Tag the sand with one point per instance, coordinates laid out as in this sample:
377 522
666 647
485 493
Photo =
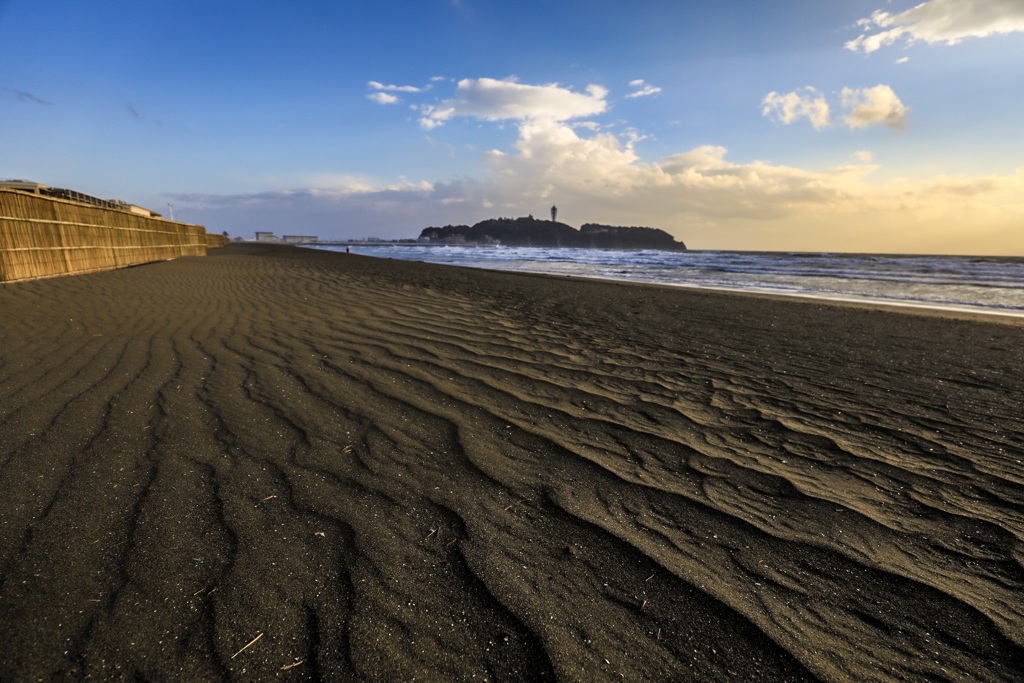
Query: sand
276 462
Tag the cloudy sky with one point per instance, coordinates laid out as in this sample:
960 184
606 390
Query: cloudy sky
841 125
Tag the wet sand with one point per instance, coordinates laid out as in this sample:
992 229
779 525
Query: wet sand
275 462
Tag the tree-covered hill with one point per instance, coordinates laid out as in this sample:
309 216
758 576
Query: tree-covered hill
533 232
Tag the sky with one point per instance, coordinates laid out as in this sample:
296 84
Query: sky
784 125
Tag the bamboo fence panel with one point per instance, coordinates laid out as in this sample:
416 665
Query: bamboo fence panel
213 240
42 237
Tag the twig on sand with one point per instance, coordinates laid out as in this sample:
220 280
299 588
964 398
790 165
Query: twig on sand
292 666
250 644
267 498
432 532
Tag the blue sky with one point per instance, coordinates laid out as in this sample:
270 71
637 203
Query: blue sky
841 125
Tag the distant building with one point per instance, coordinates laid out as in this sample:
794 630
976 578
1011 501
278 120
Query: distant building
24 186
142 211
76 196
299 239
265 237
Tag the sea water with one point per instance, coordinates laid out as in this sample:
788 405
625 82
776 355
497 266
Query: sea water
966 283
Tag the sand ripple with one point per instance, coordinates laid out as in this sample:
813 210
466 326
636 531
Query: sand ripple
396 470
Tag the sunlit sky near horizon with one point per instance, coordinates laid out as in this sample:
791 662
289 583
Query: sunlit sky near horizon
806 125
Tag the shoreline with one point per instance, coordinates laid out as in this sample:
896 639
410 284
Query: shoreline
953 310
910 308
283 461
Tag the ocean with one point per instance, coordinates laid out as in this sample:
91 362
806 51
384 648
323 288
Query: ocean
964 283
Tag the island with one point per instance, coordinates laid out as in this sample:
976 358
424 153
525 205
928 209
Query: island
535 232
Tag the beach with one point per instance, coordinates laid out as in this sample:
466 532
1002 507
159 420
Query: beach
278 462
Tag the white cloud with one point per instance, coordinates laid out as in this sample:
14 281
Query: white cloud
394 88
383 98
709 200
384 92
903 60
940 21
700 195
434 116
644 89
496 100
803 103
865 106
874 106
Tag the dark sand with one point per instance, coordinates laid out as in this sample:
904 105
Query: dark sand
394 471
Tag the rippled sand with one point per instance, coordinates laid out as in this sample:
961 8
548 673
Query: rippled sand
274 461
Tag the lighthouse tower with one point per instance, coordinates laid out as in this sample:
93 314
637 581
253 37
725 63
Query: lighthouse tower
554 213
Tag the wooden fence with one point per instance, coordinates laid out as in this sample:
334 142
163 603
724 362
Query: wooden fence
42 237
213 240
